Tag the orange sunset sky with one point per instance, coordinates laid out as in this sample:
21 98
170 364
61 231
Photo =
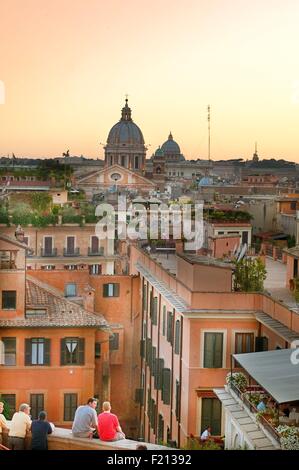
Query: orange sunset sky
66 66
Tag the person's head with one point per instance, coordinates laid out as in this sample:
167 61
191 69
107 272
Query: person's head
141 447
42 415
1 406
25 408
209 429
265 400
92 402
106 406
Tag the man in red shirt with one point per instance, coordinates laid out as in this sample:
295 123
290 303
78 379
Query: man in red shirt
108 427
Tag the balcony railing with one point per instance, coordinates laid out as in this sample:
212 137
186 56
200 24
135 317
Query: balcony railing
252 408
48 252
71 252
98 252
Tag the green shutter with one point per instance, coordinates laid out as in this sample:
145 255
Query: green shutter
211 415
160 373
155 319
139 395
213 350
218 350
105 290
81 351
166 379
164 320
153 361
28 352
177 337
142 348
116 290
63 352
177 399
47 348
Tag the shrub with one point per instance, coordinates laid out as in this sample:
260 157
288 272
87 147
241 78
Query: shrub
6 408
289 439
238 379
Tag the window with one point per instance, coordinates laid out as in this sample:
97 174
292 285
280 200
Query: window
94 244
36 404
164 320
70 290
111 290
144 296
97 350
9 299
48 246
70 406
9 345
170 327
136 163
177 343
293 205
244 343
10 399
70 245
211 415
72 351
37 352
123 160
244 237
95 269
166 379
154 310
114 342
213 349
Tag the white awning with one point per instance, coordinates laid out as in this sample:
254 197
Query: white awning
274 371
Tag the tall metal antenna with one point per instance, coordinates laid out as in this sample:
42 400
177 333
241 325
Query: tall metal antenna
209 132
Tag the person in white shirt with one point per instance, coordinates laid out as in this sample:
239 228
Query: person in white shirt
3 422
19 426
206 434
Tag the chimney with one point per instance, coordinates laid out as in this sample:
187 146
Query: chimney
88 299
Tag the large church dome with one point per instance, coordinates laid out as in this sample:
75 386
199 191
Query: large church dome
170 146
125 131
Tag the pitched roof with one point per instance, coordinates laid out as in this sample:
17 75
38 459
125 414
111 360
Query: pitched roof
112 168
53 310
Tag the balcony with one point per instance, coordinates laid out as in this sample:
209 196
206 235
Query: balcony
48 253
71 252
98 252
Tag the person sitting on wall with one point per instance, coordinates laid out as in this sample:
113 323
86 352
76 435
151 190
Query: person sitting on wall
206 434
40 428
262 405
85 420
108 427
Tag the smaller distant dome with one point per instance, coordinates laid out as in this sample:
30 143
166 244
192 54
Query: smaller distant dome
159 152
170 146
205 181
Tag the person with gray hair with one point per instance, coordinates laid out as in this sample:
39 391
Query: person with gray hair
19 426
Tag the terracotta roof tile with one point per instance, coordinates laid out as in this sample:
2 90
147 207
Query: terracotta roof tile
59 312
